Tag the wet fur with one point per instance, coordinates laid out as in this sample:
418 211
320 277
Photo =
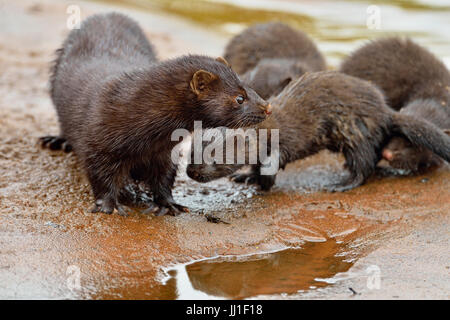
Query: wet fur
271 40
334 111
117 106
409 156
413 80
402 69
270 76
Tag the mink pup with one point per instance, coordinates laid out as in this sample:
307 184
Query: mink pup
402 69
338 112
117 107
270 76
402 154
412 78
270 55
271 40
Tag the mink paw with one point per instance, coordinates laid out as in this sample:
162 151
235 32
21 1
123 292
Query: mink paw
265 182
173 209
108 206
247 178
55 143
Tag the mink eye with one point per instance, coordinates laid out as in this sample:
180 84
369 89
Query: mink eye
240 99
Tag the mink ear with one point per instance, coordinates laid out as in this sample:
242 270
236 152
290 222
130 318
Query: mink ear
222 60
201 81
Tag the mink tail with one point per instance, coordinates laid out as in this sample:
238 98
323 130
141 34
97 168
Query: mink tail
422 133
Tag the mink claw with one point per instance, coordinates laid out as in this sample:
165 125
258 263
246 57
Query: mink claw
97 206
244 178
161 211
106 207
151 208
121 210
177 209
54 143
181 208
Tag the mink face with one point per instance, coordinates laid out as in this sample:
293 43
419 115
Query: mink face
414 81
270 76
216 167
118 107
402 153
228 100
334 111
271 40
208 172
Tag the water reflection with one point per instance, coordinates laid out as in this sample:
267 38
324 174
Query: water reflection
237 277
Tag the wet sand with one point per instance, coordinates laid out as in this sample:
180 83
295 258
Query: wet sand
399 224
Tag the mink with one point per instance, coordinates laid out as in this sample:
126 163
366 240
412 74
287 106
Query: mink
269 56
414 81
402 69
271 40
270 76
338 112
117 107
404 155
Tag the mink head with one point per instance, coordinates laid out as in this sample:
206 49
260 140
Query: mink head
211 164
402 154
208 172
270 76
224 100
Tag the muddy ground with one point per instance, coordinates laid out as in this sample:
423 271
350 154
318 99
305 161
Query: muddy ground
397 225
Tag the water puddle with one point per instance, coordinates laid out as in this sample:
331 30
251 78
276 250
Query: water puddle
282 272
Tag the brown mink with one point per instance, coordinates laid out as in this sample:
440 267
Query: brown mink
406 72
117 107
403 70
402 154
338 112
270 76
271 40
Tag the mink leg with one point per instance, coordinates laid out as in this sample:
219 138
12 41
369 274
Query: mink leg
361 164
55 143
162 184
248 178
105 182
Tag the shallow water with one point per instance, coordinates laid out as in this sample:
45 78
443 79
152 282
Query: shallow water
282 272
338 26
46 226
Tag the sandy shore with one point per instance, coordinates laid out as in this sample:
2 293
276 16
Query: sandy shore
400 225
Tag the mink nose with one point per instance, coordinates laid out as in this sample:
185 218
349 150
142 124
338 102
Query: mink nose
388 155
268 110
195 175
